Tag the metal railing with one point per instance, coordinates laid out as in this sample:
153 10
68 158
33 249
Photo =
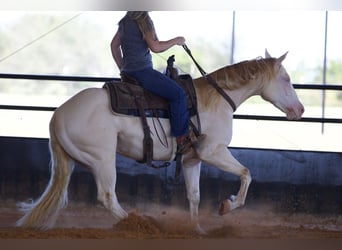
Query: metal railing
105 79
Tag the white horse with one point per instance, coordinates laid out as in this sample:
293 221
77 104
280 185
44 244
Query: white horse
85 130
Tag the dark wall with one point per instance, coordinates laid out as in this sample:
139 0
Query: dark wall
291 180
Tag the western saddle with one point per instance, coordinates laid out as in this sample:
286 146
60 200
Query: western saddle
128 97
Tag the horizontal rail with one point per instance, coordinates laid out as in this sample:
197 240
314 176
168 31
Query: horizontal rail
318 86
105 79
280 118
57 77
27 108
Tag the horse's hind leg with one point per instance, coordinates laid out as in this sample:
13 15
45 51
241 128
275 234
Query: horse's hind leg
191 173
105 177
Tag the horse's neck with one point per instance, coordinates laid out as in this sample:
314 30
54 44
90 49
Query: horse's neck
209 98
243 93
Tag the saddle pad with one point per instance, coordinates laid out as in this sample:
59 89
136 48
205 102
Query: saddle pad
124 97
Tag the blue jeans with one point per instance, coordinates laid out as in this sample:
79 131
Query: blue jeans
161 85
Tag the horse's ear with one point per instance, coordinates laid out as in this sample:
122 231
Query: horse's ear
267 55
281 59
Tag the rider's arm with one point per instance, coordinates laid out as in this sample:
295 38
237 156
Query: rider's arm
116 50
159 46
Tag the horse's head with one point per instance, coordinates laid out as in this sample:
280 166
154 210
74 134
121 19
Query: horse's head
280 92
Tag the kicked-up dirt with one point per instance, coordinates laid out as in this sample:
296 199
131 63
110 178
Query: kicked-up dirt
154 221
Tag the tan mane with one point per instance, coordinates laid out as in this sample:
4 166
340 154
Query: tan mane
236 75
233 76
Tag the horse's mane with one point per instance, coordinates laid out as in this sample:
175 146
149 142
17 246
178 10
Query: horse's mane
233 76
239 74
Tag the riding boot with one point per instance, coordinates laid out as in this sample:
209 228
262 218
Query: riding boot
184 144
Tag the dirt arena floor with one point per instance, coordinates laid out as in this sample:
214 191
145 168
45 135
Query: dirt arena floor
153 221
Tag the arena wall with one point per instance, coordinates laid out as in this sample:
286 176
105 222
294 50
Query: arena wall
291 180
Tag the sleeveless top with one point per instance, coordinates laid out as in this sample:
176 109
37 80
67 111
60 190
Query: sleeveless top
135 51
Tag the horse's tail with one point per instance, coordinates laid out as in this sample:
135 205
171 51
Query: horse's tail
43 213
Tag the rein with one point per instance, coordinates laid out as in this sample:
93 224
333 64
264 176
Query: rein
211 80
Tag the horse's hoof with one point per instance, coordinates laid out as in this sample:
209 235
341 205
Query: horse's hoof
232 198
225 207
199 230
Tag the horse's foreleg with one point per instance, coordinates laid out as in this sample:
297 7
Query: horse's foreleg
223 159
238 200
191 173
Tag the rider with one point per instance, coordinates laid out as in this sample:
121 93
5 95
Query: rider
131 46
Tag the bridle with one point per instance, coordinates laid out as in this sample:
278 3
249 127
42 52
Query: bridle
211 80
